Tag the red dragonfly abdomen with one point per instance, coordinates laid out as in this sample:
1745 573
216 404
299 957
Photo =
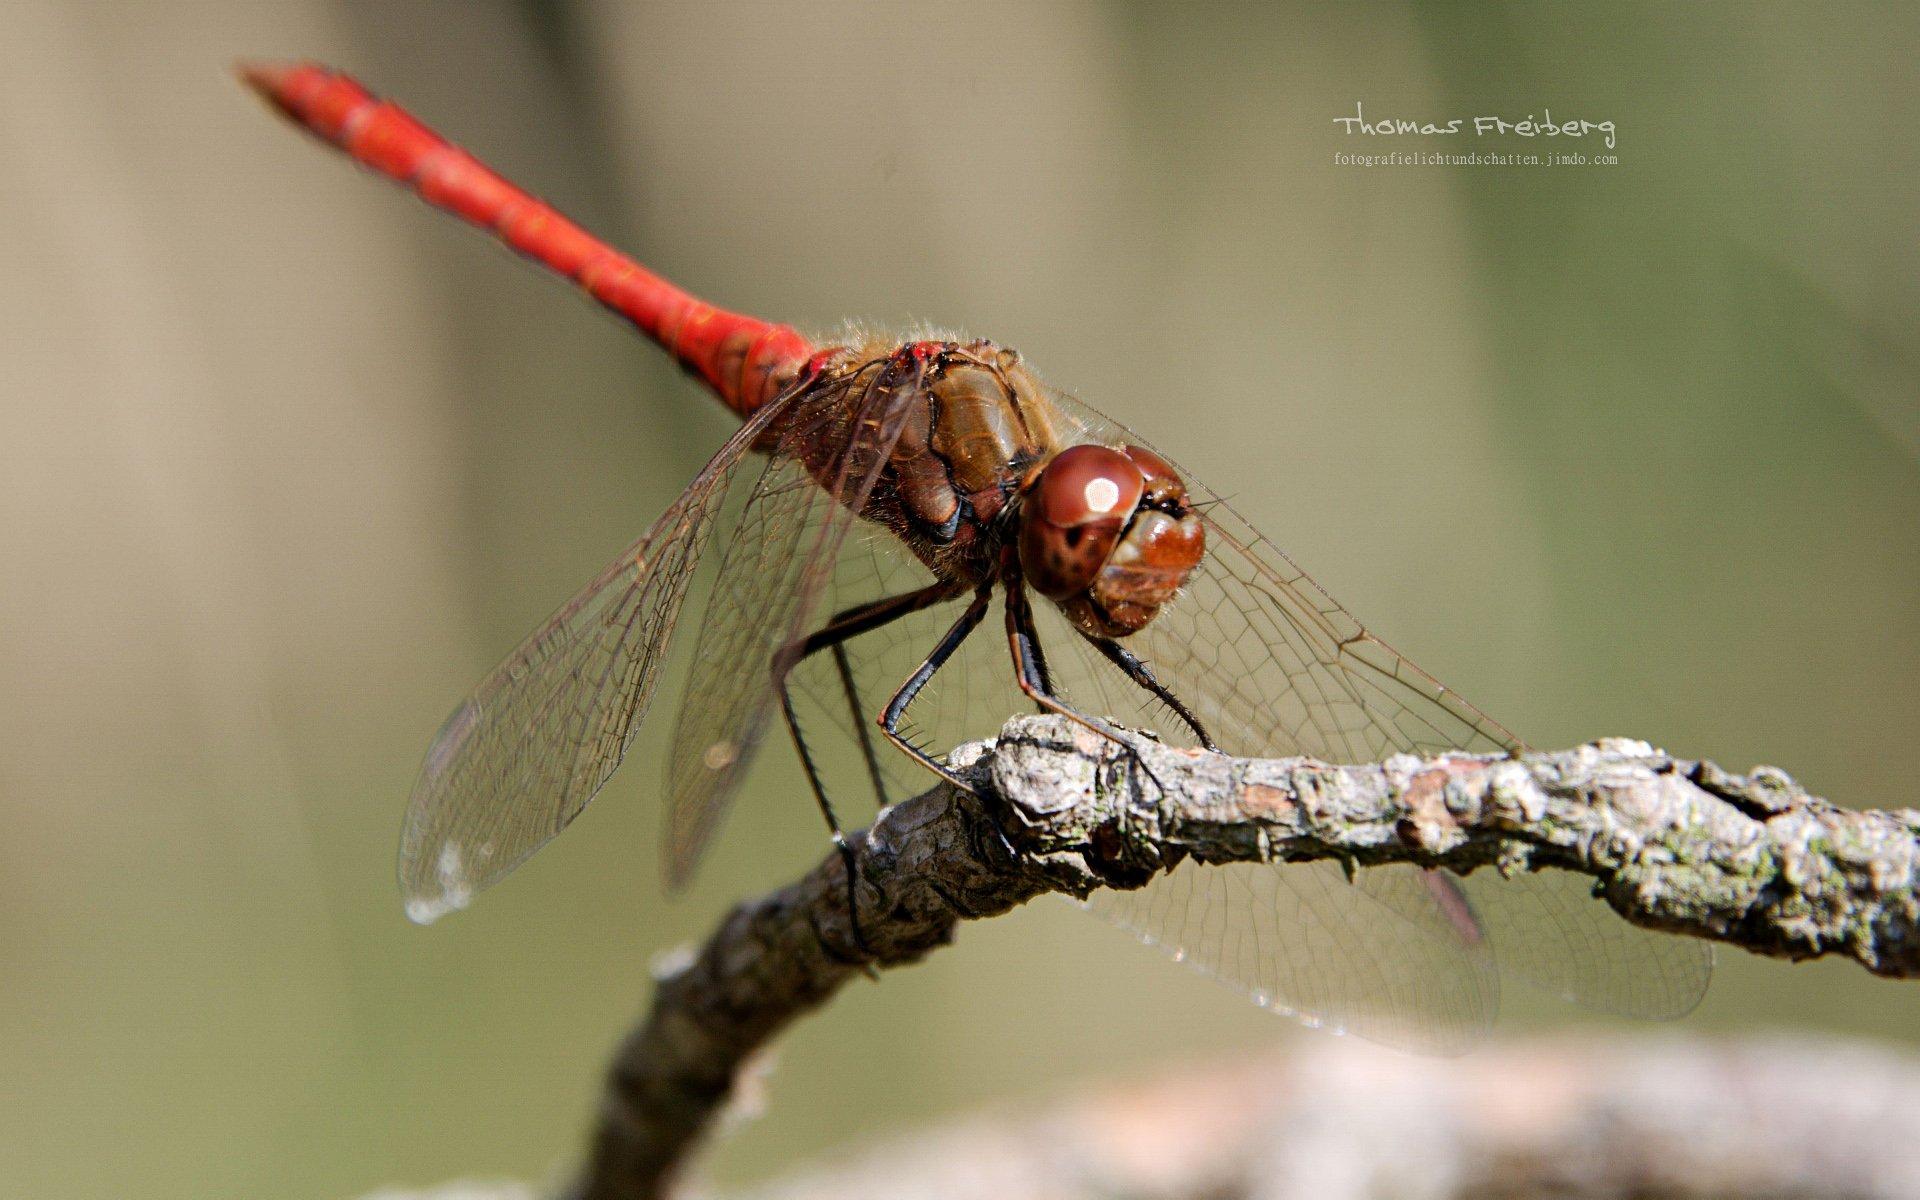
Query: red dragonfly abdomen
744 360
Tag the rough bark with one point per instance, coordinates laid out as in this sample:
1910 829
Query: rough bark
1751 861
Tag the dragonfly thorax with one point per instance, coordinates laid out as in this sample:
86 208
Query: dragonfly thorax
987 479
966 422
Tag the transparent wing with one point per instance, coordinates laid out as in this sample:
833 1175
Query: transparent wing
1386 959
1273 666
824 458
525 752
839 714
1548 927
1303 941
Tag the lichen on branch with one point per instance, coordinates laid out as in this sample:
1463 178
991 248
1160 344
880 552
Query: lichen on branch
1683 846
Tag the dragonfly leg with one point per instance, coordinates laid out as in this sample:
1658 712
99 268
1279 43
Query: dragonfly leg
849 624
1024 637
857 712
1138 671
1044 675
896 708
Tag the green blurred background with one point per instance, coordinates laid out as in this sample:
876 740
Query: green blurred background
287 461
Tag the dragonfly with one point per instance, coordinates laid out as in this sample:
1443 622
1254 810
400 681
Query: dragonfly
877 496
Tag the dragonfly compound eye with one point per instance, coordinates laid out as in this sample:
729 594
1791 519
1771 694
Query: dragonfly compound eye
1075 512
1139 567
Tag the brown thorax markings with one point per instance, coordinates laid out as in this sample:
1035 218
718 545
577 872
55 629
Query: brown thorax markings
972 420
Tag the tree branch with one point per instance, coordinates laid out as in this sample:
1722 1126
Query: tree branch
1600 1118
1612 1117
1751 860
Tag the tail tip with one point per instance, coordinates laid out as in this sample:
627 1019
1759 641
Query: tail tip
264 77
277 82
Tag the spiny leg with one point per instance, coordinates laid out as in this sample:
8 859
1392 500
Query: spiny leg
852 623
1024 638
949 642
1040 663
1138 671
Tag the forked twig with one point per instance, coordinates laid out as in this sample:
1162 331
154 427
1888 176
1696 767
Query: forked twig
1751 861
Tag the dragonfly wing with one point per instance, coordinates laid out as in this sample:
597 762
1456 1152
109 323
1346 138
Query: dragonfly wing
1547 927
1301 940
1386 958
525 752
1274 666
826 455
838 715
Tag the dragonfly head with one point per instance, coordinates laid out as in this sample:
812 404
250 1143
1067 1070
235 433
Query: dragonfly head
1108 535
